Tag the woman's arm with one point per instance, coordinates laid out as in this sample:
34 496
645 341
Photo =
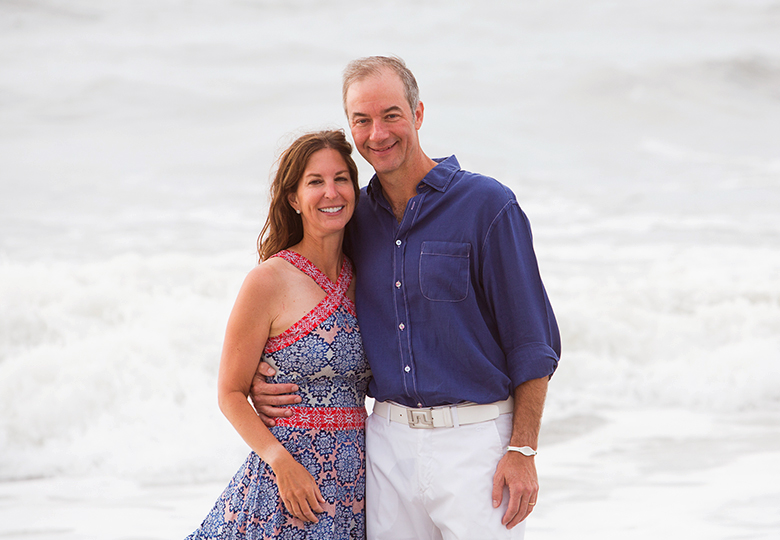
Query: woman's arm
248 328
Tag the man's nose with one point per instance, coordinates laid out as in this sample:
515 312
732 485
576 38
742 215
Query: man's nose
378 131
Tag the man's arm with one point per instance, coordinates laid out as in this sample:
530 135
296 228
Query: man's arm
516 471
269 399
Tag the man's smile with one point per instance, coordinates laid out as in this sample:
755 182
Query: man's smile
383 149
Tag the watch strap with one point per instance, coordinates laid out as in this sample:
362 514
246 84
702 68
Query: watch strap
525 450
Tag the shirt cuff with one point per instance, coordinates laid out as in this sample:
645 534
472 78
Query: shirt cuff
531 361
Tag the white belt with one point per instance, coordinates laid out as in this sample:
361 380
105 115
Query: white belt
445 416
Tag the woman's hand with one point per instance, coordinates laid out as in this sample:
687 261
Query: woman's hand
297 488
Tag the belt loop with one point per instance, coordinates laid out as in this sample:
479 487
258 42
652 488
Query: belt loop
454 412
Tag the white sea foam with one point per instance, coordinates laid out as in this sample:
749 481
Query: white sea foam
106 364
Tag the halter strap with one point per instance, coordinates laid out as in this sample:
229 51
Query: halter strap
335 296
338 289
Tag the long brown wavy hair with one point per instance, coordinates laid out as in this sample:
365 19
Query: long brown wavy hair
283 227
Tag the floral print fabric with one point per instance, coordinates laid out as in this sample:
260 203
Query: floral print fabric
323 355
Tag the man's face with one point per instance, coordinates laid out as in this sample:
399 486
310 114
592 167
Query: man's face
383 126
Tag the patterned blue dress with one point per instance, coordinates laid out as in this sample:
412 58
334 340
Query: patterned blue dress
323 354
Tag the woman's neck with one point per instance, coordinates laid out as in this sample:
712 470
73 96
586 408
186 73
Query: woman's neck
324 253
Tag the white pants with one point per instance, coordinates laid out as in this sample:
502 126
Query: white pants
435 484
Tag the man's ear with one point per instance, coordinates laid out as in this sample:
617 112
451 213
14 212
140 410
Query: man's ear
418 115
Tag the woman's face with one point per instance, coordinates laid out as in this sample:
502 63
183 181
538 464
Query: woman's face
325 194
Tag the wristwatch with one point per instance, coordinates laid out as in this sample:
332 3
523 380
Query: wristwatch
525 450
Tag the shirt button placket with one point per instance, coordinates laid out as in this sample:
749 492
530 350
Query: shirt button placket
401 326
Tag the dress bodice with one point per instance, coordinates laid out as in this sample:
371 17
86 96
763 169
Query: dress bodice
322 353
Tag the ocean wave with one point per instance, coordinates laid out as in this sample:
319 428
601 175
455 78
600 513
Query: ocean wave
110 366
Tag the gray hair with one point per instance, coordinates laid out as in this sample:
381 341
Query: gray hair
362 68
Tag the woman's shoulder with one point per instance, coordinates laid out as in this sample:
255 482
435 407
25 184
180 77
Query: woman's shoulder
272 267
269 277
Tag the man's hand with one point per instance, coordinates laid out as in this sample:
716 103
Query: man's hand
518 473
268 399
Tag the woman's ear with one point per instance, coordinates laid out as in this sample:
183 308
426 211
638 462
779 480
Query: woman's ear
292 198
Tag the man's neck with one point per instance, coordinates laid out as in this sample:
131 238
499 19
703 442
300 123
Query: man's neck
400 186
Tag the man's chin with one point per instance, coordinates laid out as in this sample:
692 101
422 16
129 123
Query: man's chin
383 166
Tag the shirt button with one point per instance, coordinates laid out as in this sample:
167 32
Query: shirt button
419 405
397 242
401 326
407 369
397 284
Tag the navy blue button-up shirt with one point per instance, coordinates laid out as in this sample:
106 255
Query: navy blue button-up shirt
450 301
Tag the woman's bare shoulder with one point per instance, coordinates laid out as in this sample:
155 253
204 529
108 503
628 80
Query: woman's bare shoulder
269 278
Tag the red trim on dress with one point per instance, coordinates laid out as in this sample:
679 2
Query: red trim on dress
331 418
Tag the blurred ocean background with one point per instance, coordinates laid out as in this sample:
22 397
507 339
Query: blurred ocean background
642 138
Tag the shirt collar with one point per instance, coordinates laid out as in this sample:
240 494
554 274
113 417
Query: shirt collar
438 178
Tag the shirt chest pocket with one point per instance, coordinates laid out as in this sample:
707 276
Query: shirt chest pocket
444 271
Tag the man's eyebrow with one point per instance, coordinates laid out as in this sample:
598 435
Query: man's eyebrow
393 108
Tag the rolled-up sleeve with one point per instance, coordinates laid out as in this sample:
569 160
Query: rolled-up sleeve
524 321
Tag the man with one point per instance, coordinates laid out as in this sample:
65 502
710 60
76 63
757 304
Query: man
456 325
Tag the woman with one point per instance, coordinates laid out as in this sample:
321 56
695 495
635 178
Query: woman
306 476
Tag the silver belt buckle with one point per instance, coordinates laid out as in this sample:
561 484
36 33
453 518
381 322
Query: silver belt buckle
420 418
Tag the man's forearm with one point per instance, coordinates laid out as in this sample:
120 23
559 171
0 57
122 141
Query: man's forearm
527 416
515 471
